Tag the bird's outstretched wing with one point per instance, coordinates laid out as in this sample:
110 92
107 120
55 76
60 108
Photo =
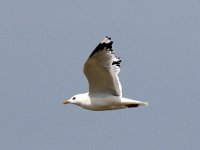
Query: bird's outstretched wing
102 68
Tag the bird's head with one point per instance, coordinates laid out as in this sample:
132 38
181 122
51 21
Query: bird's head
72 100
76 99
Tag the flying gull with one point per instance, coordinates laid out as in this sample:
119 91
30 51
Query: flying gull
105 91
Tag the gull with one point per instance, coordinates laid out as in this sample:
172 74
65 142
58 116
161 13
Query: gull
105 91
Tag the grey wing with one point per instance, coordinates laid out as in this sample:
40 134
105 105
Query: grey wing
102 68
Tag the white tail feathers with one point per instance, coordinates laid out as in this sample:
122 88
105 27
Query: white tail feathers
144 104
131 102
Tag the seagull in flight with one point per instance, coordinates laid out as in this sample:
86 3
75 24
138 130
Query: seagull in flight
105 91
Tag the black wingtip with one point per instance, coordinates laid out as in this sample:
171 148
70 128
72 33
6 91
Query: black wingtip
105 43
132 105
108 37
117 63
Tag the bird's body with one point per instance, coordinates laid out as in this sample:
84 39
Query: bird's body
105 102
105 91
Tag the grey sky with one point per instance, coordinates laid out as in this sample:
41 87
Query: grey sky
43 45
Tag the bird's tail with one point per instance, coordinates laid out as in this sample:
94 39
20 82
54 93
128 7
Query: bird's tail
133 103
144 104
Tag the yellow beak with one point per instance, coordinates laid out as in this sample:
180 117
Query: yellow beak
66 102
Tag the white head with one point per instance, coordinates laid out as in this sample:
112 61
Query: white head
76 99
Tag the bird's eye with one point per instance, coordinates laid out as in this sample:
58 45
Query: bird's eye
74 98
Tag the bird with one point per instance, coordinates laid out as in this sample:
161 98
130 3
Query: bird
105 91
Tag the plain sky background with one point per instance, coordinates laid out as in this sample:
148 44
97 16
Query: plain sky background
43 46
